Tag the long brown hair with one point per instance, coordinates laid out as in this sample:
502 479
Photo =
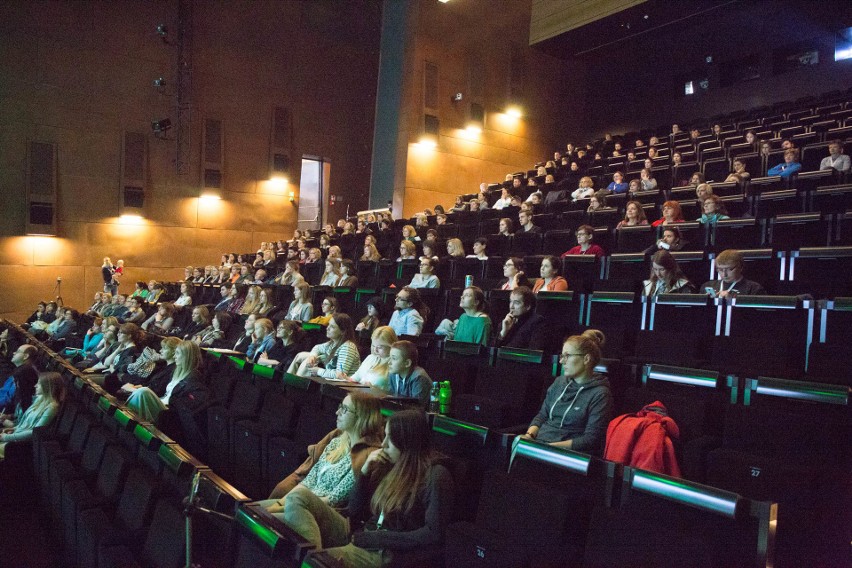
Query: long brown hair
409 432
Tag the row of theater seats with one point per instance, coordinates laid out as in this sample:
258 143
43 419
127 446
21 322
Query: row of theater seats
114 491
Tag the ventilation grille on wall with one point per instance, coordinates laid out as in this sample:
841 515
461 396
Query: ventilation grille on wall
41 188
134 168
213 151
279 150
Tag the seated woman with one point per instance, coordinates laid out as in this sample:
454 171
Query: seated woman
331 274
634 186
597 202
634 216
672 213
49 394
159 377
646 180
455 248
426 277
281 355
513 274
265 303
670 241
789 166
347 279
506 227
714 211
407 251
374 369
212 335
339 353
374 316
407 514
301 308
479 249
504 201
550 280
739 175
161 321
578 405
185 298
291 274
585 234
430 250
186 389
371 253
94 310
155 290
329 308
252 302
474 325
666 277
333 465
141 291
135 314
90 341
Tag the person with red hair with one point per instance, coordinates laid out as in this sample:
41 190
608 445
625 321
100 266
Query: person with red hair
672 213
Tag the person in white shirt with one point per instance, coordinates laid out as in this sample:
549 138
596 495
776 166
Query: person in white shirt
504 201
585 190
426 277
836 160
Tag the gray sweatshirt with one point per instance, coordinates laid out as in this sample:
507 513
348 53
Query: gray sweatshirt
576 412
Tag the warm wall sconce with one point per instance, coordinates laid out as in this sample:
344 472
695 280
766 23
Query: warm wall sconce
292 196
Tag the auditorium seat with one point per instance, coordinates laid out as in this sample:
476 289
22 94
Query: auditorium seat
667 522
804 468
164 545
790 232
680 329
263 541
244 403
509 500
563 311
626 272
619 315
823 272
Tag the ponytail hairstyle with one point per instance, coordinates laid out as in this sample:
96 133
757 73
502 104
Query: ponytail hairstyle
398 491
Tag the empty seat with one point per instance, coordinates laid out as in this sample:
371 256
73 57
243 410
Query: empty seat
790 232
164 545
626 271
737 234
824 272
772 203
804 468
679 330
262 541
655 525
620 316
634 239
562 311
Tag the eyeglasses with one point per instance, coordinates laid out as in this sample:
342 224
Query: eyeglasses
343 409
566 356
401 299
582 234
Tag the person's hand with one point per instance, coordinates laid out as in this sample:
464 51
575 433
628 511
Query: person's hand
531 433
8 423
264 355
518 276
360 326
89 370
341 376
376 458
507 324
276 507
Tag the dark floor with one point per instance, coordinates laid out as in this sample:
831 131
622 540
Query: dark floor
25 538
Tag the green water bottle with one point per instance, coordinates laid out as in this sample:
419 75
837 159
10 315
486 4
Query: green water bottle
445 397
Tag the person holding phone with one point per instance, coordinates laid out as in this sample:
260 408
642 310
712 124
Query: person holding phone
729 267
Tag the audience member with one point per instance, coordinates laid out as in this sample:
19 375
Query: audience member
836 159
301 308
338 354
472 326
525 219
24 361
426 277
729 267
263 339
49 394
634 216
513 274
347 274
579 404
522 328
506 227
647 180
374 368
373 319
407 251
788 167
617 184
550 280
504 201
408 316
281 355
585 235
406 379
666 276
714 211
200 320
739 175
455 248
672 213
670 241
328 308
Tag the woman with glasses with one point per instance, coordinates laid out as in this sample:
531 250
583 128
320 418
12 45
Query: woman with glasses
374 369
330 472
329 308
666 276
585 234
578 405
513 274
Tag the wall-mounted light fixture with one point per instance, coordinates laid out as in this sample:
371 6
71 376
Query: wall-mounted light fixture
292 196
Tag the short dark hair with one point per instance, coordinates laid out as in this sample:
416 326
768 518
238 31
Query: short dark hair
408 349
526 294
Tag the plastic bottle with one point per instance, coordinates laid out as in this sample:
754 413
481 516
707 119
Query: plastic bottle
445 397
434 397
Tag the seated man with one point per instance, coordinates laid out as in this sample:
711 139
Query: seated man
405 378
527 226
729 266
426 277
836 159
522 327
407 318
788 167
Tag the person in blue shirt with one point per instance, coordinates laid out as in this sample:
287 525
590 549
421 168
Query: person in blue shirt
617 185
788 167
23 357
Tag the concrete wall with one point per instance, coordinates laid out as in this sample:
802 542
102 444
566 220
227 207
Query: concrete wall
79 74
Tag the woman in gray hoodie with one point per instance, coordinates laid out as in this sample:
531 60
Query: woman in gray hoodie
578 405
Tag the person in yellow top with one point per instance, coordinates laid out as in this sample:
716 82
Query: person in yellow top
550 280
